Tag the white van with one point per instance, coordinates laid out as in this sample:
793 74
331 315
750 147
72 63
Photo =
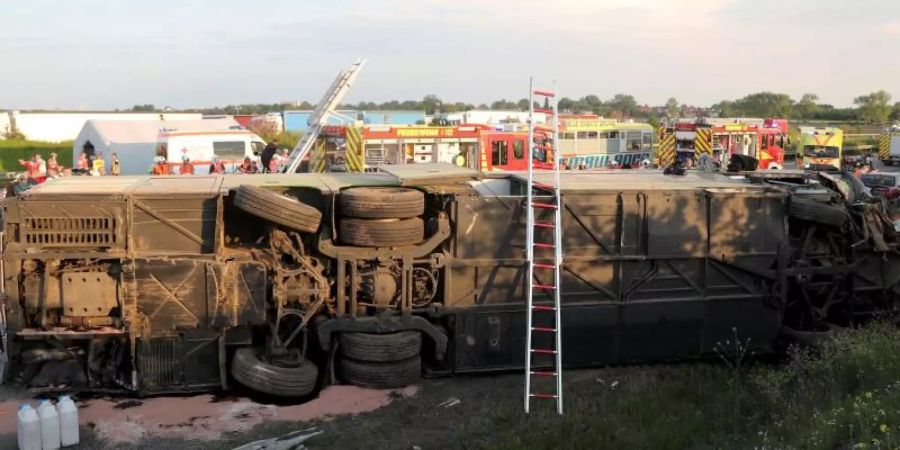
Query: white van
230 147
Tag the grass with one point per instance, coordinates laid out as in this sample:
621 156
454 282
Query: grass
842 395
12 150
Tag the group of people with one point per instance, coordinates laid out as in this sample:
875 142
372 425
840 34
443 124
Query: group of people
271 161
38 170
95 165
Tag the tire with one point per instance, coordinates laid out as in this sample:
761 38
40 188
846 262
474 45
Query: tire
382 203
248 369
818 212
808 338
370 347
276 208
382 233
383 375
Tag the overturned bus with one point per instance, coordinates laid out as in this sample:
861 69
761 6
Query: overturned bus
173 284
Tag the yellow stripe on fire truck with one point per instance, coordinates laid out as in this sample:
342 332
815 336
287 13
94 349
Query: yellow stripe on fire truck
666 150
884 146
317 158
353 156
703 143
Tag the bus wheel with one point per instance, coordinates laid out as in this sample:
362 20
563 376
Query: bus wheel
380 375
382 203
382 232
370 347
296 380
818 212
276 208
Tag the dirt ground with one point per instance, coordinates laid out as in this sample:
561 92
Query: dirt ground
432 414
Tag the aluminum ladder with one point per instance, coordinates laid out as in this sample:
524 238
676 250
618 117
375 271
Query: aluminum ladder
323 110
544 324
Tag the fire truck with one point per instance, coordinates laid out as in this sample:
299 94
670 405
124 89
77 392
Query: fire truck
343 148
719 141
889 146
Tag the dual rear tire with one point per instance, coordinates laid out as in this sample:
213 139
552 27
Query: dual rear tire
382 217
380 361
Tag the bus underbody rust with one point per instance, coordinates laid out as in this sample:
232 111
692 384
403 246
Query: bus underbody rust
163 284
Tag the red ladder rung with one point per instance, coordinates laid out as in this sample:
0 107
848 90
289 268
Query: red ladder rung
544 286
544 93
546 396
544 266
544 225
543 308
545 351
544 329
543 205
543 245
544 110
543 373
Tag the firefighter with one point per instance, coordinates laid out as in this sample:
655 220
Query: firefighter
216 166
160 168
186 167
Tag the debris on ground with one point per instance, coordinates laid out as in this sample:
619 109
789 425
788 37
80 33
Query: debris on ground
208 417
452 401
290 441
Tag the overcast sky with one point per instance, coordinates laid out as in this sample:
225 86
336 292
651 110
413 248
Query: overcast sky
84 54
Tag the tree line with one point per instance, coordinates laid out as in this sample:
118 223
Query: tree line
875 107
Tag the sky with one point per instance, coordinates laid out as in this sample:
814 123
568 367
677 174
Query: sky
92 54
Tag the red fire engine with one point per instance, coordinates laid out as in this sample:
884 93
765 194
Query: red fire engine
721 140
474 146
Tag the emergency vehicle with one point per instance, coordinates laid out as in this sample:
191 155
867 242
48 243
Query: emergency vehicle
596 143
719 141
364 148
820 146
889 146
201 148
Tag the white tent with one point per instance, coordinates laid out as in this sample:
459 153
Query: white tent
135 142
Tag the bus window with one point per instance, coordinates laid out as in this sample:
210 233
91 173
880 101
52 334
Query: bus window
592 135
613 135
499 150
633 141
647 141
518 149
582 135
229 150
257 147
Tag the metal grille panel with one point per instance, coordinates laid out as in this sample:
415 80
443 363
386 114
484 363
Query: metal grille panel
70 231
159 362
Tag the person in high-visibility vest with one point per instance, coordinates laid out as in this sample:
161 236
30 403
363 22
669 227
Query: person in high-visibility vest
186 167
216 166
160 168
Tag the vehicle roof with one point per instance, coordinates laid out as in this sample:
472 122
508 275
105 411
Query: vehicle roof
640 179
428 176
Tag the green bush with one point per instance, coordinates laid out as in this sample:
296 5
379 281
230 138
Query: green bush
11 151
844 394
